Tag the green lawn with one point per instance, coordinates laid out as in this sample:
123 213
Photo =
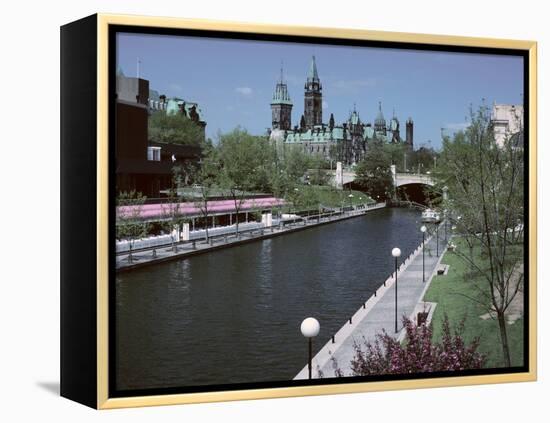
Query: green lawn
446 290
312 195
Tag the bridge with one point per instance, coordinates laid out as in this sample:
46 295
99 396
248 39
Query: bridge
343 177
412 178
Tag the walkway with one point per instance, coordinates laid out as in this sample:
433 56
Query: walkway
378 312
151 255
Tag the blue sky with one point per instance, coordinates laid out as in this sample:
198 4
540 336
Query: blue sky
233 81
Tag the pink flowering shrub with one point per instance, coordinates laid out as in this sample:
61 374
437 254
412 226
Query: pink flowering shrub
418 353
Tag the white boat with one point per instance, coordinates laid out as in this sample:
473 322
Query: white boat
430 216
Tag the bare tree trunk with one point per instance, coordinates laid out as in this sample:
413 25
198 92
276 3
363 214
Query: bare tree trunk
504 338
206 226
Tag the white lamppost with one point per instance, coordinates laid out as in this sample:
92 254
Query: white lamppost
423 230
396 252
310 328
350 200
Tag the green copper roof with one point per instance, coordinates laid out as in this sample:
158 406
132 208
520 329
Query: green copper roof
312 74
338 133
354 117
173 107
281 96
310 136
368 132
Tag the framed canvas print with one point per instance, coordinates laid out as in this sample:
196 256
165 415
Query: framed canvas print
254 211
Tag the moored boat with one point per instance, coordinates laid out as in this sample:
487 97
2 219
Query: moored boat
430 216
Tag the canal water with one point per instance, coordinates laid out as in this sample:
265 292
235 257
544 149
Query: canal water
233 315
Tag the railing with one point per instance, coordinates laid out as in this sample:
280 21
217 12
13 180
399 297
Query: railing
390 277
260 231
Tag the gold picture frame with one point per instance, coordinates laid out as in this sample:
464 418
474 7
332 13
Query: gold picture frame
102 23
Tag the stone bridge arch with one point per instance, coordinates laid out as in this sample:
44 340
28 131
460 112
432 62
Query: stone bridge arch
408 185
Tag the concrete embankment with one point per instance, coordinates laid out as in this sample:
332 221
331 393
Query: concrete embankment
377 313
166 253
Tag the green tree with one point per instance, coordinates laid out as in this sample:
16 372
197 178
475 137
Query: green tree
373 173
336 152
422 160
174 128
396 153
317 174
172 213
296 163
129 223
206 179
289 172
245 165
486 195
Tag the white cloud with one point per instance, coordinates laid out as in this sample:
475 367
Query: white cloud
244 91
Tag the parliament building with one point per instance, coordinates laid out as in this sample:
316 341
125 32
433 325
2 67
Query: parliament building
347 142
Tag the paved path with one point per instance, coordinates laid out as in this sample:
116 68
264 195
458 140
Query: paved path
379 311
160 254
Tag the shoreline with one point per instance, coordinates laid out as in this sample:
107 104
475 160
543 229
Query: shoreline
359 327
201 248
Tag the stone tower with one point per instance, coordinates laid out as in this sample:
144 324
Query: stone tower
394 128
281 106
313 98
409 133
380 121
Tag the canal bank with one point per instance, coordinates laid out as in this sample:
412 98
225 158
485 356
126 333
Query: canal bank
377 313
233 315
166 253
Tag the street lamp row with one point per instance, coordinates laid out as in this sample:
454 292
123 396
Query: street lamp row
310 326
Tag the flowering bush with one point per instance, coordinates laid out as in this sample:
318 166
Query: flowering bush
418 353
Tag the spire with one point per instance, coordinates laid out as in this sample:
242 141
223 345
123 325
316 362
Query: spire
313 75
354 116
281 96
380 122
380 116
394 123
